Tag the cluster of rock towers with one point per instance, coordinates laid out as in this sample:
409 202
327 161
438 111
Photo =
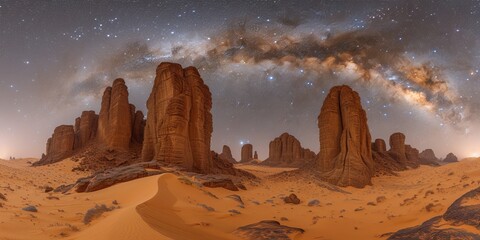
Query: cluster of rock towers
178 129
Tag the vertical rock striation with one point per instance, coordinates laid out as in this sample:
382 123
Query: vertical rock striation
247 153
179 123
345 157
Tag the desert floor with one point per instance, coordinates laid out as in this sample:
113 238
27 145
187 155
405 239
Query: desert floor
172 207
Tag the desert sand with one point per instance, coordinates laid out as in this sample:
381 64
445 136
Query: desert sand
169 206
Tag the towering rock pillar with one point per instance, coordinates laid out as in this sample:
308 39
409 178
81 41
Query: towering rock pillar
115 118
247 153
345 157
179 123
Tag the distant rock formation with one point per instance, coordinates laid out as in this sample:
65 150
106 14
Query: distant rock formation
397 148
427 157
179 123
379 145
115 128
246 155
59 146
255 155
227 154
286 151
345 157
450 158
115 119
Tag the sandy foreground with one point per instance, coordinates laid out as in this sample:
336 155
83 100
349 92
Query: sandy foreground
172 207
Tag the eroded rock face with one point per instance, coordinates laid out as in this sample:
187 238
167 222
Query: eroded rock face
138 127
247 153
115 118
85 128
397 148
179 123
60 145
345 157
379 145
114 128
227 154
450 158
286 151
427 157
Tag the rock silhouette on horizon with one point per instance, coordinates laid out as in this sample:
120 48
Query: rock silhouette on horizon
286 151
246 153
227 154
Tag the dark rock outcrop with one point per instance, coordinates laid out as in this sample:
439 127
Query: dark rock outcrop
247 153
450 158
345 157
267 230
138 127
427 157
286 151
463 214
227 154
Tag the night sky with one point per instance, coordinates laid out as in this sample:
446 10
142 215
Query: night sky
269 65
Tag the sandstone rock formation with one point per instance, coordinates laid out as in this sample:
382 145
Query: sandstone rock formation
115 128
345 157
460 221
286 151
450 158
179 123
59 146
255 155
247 151
115 118
227 154
379 145
85 128
397 148
138 127
427 157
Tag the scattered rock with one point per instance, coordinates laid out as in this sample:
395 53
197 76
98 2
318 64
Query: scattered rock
233 212
30 208
313 202
268 230
48 189
292 198
2 197
208 208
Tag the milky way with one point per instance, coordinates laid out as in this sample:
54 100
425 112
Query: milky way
269 65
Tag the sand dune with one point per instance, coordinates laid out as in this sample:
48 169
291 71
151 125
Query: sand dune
176 207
